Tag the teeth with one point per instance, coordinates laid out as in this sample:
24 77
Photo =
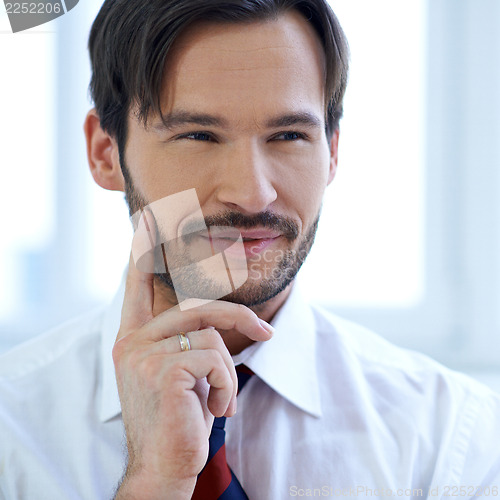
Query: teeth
228 238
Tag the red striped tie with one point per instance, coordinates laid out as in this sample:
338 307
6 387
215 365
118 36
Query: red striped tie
217 481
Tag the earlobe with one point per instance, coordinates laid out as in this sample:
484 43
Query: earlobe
334 149
102 154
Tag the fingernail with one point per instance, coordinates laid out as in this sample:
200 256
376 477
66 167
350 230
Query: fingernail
267 327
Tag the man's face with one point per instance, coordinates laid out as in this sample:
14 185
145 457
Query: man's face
245 111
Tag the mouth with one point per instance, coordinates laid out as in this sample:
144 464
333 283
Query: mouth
224 239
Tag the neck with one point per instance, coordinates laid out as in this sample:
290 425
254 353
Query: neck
164 299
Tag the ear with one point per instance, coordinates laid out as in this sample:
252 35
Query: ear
102 154
334 150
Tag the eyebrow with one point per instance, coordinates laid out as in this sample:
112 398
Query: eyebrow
180 118
300 118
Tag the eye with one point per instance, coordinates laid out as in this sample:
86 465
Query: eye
197 136
289 136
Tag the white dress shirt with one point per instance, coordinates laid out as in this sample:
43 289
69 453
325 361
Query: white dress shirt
333 411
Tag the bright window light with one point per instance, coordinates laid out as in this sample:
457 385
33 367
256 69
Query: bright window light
27 157
370 245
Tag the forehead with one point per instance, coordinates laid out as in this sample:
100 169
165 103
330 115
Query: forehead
276 65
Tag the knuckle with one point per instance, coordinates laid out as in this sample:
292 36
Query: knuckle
151 374
177 378
118 350
241 309
194 319
146 369
213 337
215 357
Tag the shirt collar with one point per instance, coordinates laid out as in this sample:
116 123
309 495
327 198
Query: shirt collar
286 363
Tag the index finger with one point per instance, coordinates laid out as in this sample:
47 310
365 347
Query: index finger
218 314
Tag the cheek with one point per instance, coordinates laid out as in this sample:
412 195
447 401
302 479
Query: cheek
155 173
305 183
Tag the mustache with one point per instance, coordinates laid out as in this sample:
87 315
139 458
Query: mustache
285 225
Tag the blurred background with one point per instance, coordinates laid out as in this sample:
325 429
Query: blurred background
409 242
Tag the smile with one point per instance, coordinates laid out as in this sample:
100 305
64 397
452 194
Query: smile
224 239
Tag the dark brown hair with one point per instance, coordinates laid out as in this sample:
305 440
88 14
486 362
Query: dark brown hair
130 40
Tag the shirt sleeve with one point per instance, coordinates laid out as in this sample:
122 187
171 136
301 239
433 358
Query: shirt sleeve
481 466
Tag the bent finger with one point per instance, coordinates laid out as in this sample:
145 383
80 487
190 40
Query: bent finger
207 339
219 314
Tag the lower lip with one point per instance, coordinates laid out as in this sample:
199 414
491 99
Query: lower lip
252 247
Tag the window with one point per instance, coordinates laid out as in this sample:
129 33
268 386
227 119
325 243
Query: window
370 246
27 129
55 223
412 235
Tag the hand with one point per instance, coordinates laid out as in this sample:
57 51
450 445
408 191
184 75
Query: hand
169 398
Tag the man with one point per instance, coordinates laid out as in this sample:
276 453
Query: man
220 121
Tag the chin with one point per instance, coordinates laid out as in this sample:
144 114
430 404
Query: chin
253 292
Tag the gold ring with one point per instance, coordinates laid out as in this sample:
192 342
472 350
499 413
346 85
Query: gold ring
184 341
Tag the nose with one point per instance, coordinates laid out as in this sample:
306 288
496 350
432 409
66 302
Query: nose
246 182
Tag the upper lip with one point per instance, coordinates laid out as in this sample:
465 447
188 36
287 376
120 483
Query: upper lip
247 234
